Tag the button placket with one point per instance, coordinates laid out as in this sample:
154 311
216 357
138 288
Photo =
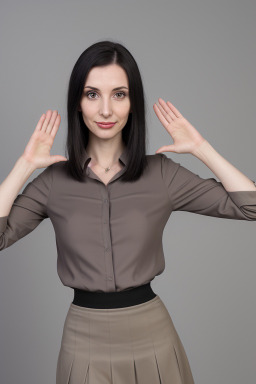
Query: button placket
109 277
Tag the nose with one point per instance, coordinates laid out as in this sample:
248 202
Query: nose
105 107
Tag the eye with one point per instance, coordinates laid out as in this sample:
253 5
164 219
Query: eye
89 93
94 93
121 93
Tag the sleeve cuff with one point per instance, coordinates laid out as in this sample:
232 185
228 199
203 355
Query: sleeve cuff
241 198
3 223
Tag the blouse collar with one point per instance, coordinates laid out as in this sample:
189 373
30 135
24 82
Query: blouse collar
86 159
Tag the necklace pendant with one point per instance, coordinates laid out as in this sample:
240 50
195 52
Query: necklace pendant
107 169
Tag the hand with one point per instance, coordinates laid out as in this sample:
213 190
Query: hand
186 138
37 151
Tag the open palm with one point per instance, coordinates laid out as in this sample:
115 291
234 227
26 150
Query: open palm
37 151
185 137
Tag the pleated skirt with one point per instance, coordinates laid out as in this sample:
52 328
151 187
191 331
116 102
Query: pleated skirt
131 345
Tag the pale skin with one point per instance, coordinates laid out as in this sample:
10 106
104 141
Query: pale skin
36 155
105 99
186 139
37 151
109 105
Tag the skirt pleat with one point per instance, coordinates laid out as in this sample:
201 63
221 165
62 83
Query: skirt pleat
131 345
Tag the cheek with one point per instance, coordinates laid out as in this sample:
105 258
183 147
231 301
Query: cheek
88 109
124 110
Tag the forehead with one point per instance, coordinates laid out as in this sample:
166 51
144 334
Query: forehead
110 75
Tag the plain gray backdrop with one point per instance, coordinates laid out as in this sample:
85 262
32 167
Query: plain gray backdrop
201 56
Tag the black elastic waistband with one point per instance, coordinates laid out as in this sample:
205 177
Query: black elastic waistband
119 299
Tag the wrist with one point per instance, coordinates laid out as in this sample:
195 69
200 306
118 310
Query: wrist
202 150
25 165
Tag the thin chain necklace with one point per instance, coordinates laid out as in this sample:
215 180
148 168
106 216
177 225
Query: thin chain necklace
106 168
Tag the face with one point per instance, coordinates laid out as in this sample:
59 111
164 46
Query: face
106 104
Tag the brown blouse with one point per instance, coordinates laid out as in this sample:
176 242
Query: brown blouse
109 237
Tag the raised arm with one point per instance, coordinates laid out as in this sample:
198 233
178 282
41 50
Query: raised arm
13 183
231 178
234 196
20 214
188 140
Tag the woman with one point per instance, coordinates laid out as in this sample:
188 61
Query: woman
109 203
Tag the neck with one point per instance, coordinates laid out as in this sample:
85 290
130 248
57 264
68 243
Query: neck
105 156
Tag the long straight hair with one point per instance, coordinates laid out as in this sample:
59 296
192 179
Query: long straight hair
134 132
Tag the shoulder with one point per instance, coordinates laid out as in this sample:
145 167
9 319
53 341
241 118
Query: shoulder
57 168
154 158
49 173
157 157
160 159
59 165
162 164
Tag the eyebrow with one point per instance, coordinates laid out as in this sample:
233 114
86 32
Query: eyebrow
97 89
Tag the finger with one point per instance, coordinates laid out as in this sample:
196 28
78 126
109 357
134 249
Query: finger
51 122
55 126
57 158
175 110
166 148
165 114
40 122
167 108
47 119
160 115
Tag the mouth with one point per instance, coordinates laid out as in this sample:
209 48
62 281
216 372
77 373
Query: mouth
105 125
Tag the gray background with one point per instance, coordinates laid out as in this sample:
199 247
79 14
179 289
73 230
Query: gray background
201 56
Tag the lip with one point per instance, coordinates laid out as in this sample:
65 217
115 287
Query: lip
105 125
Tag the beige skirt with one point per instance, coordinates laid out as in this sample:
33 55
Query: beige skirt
131 345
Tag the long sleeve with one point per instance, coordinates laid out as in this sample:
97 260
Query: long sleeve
188 191
28 210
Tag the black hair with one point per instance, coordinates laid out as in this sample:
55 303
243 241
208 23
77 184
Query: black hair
105 53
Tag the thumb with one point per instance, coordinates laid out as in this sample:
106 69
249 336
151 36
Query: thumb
57 158
167 148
